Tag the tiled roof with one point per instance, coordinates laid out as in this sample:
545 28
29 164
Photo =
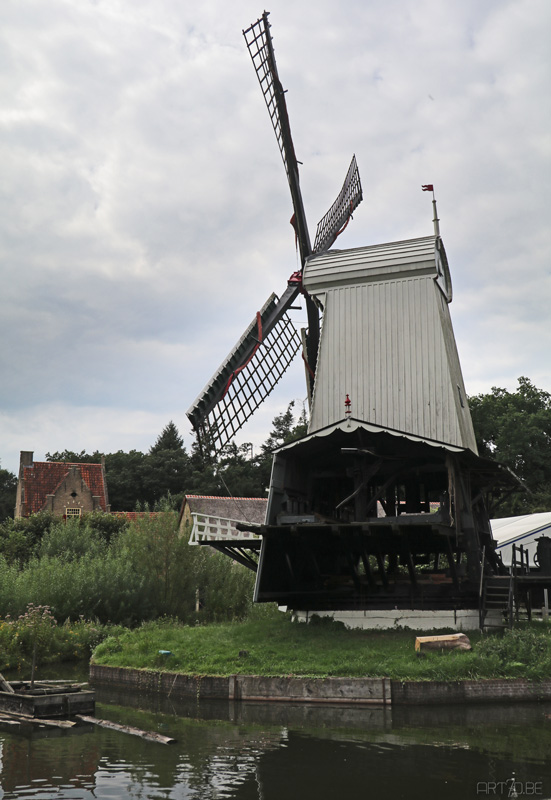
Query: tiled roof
43 478
132 516
244 509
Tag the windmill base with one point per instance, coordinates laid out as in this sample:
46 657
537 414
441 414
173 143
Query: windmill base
415 619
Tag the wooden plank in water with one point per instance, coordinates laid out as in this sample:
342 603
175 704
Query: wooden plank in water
149 735
52 723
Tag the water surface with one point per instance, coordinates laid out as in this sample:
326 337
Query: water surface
250 751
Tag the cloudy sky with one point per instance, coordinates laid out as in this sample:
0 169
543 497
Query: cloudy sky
144 209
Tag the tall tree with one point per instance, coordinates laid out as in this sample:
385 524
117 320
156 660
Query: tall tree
166 467
8 491
515 429
285 429
168 439
124 475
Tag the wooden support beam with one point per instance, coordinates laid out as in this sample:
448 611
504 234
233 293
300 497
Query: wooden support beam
451 562
382 571
409 563
367 568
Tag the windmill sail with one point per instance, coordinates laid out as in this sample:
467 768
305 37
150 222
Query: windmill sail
249 373
340 213
266 349
259 42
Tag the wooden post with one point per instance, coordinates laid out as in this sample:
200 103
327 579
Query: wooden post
33 667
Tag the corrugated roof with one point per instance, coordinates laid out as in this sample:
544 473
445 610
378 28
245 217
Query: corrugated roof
509 529
412 257
43 477
387 341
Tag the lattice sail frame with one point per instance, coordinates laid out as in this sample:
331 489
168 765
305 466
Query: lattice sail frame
239 387
250 372
259 42
338 216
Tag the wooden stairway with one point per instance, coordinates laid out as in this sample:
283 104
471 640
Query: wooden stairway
497 595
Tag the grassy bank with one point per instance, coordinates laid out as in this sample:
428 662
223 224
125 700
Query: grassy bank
276 646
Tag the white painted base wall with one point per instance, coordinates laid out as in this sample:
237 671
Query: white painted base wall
416 620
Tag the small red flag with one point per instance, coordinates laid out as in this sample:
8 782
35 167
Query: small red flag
428 187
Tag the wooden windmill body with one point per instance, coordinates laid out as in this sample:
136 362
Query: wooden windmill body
383 503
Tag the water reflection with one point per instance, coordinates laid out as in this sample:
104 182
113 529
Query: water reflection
243 751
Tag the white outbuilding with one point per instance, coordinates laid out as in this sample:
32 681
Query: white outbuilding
524 530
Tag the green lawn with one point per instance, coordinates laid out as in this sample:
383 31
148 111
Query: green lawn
276 646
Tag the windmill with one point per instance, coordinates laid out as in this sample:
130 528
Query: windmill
383 504
269 344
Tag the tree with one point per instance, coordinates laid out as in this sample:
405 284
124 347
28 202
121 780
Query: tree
70 457
166 468
284 430
169 439
8 491
515 429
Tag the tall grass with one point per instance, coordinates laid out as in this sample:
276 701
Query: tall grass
138 572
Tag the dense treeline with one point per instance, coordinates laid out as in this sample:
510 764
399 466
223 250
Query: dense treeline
514 428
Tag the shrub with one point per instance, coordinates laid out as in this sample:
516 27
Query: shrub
72 540
71 641
144 571
19 538
528 649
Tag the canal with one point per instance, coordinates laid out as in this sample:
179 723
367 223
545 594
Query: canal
277 751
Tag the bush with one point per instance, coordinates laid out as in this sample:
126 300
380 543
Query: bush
19 538
526 649
142 571
67 642
72 540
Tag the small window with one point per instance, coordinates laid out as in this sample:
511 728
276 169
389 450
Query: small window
72 512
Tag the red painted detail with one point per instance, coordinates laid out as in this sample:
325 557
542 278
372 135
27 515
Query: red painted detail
348 405
308 367
257 345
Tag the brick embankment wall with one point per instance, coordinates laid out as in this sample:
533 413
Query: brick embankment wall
350 691
482 691
247 687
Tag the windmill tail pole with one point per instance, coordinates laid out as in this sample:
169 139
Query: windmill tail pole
435 220
429 187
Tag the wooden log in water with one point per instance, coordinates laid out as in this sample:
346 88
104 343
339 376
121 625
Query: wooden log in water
52 723
149 735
